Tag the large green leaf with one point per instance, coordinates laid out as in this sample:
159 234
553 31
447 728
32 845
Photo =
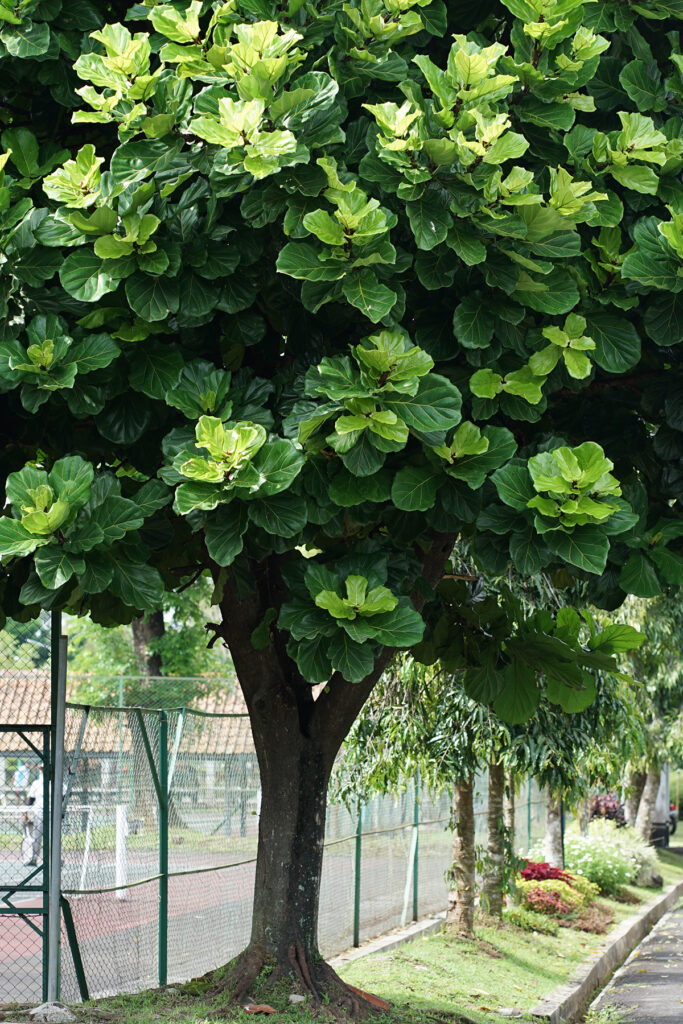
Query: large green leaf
639 576
72 479
466 243
116 517
528 552
555 293
402 627
366 293
312 657
642 83
617 639
617 344
484 683
664 319
570 698
87 277
301 260
155 369
434 409
473 323
152 298
189 496
586 548
514 484
15 540
363 459
414 488
278 463
139 586
649 262
352 660
55 566
28 39
224 532
93 353
474 469
283 514
98 572
520 695
429 220
347 490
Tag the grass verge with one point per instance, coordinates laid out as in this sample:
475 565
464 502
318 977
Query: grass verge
438 979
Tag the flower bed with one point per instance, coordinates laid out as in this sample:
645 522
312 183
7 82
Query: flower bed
558 894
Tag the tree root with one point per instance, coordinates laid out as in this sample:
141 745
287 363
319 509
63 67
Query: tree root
332 999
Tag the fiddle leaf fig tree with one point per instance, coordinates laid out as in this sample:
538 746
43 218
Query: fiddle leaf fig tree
294 296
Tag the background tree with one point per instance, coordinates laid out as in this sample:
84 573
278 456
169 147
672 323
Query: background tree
282 290
659 668
424 720
102 660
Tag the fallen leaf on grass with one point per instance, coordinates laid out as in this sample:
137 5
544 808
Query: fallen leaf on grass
374 1000
258 1008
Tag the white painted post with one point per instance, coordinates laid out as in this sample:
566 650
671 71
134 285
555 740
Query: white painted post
86 848
121 850
409 876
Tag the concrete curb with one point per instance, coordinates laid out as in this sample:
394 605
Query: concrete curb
399 937
566 1002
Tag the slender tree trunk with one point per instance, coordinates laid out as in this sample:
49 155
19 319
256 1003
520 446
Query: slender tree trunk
492 885
646 807
553 830
296 737
636 785
584 816
460 912
145 631
509 806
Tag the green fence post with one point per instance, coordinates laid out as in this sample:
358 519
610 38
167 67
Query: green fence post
416 826
356 894
75 949
163 847
47 774
528 817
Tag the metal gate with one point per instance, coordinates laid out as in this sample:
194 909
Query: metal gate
24 885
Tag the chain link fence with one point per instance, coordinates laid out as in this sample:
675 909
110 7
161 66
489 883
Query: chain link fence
159 839
161 890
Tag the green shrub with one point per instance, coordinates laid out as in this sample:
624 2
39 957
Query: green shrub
589 890
568 897
629 842
603 856
529 921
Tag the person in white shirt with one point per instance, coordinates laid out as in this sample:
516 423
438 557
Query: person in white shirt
34 816
20 782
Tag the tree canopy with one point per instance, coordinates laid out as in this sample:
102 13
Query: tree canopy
255 315
298 295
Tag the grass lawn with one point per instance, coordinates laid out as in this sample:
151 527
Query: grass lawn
435 980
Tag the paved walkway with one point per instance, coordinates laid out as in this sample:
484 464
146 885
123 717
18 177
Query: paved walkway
648 989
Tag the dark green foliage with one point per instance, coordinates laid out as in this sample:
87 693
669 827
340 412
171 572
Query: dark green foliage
303 287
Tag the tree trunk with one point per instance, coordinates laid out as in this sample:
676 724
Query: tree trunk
584 816
509 807
460 912
636 785
145 631
297 735
554 853
494 872
646 807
